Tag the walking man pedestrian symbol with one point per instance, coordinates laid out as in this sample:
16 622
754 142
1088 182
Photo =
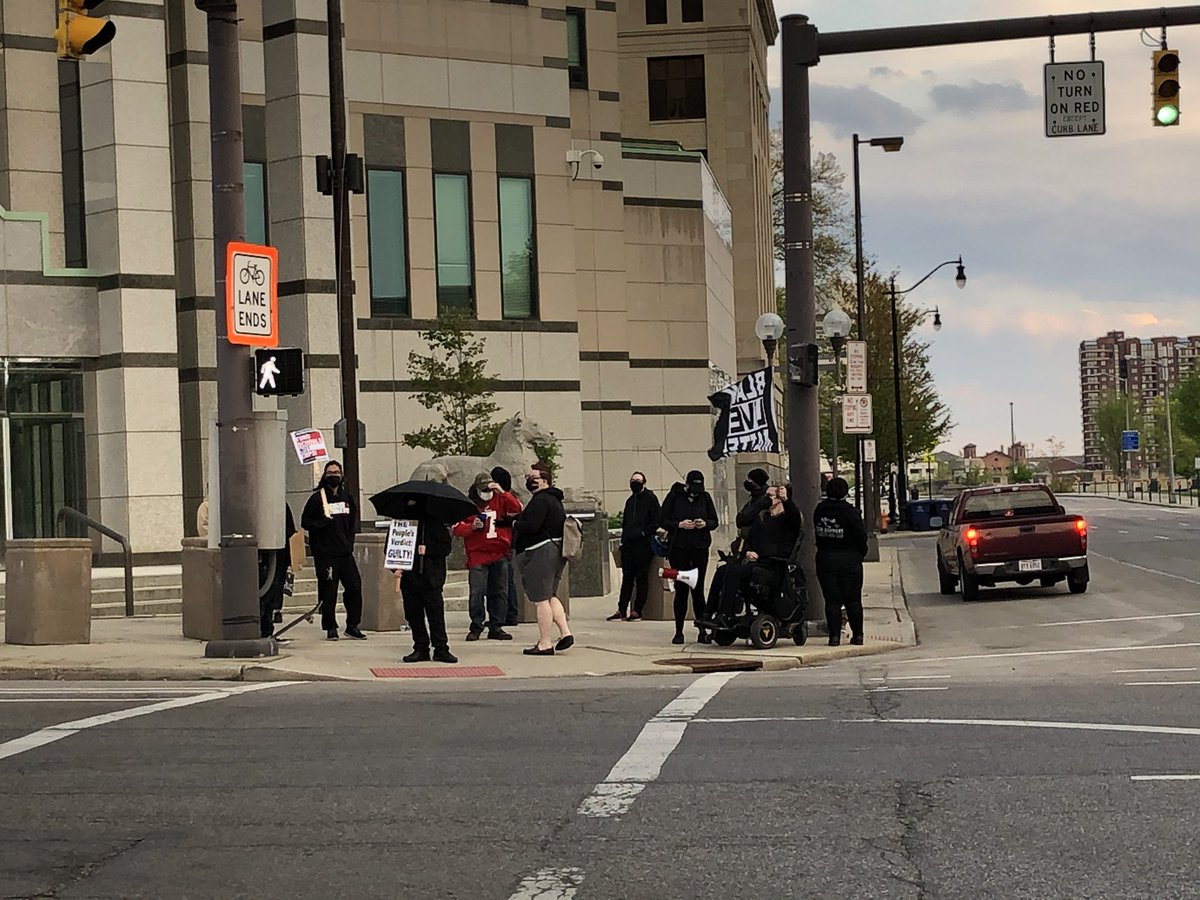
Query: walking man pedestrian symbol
268 371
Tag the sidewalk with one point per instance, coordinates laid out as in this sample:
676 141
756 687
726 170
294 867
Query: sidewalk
152 648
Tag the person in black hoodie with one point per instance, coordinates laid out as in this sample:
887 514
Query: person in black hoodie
422 590
769 542
756 485
841 539
537 547
270 598
501 476
331 519
638 524
689 515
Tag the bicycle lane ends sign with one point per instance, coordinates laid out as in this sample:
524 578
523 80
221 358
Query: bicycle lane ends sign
252 295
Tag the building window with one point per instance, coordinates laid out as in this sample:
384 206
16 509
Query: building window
693 10
387 242
656 12
577 48
518 257
452 228
254 176
676 87
70 121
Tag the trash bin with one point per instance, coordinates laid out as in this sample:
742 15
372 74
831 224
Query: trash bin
940 510
918 515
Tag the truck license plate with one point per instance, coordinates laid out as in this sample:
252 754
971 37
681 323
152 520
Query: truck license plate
1030 565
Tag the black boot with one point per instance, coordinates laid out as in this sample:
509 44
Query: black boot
418 655
444 655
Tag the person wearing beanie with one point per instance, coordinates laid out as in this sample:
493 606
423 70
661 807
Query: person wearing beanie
690 516
841 539
487 538
639 521
503 478
331 519
756 486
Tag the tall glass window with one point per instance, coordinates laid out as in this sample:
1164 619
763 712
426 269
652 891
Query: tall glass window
518 259
387 232
254 175
577 68
71 138
452 227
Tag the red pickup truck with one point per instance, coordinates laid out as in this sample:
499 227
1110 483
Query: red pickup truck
1016 533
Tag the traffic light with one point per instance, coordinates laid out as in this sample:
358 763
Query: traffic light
1166 87
80 33
803 364
1123 368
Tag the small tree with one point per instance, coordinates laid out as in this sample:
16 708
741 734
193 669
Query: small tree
452 381
1022 474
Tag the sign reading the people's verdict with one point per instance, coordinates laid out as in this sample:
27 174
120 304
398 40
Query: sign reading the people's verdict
401 551
310 446
746 417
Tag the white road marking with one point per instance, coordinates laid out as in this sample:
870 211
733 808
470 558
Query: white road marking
1140 671
1120 562
642 763
739 721
1119 532
908 677
53 733
1161 537
1183 615
76 699
206 689
1158 683
893 690
549 884
1014 653
1033 723
1164 777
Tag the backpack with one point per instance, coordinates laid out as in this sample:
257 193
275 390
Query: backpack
572 543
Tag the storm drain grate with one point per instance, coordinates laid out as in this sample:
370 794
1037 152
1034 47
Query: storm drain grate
439 672
713 663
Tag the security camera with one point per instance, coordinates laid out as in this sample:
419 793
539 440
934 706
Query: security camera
597 159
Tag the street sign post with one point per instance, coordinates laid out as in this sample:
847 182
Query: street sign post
252 295
856 367
856 414
1130 441
1074 98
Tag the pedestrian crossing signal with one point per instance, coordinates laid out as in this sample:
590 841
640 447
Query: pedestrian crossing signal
80 33
1166 87
279 371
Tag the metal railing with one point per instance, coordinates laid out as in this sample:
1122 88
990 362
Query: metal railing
67 512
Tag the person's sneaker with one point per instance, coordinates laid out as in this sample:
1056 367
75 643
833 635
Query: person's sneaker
474 635
417 656
564 643
499 635
618 616
278 617
535 650
355 633
331 634
444 656
678 639
633 617
857 639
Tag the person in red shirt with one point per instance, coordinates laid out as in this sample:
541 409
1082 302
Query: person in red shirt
487 536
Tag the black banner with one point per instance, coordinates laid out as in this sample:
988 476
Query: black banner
747 417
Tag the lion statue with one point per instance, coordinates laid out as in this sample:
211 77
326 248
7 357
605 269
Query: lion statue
514 451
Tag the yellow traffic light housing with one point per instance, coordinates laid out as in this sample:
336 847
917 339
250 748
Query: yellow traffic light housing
1166 87
79 33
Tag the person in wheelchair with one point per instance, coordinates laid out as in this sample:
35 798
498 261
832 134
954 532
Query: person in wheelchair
762 567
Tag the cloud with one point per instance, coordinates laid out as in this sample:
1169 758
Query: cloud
886 72
859 109
981 97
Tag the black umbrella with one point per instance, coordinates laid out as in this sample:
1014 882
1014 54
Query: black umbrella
436 499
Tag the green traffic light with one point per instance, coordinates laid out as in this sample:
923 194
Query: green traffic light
1168 115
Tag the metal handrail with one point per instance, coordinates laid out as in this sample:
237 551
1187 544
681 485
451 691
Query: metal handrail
67 512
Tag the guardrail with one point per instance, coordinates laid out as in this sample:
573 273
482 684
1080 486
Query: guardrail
67 512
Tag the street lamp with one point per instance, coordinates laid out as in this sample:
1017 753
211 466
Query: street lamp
836 325
896 509
864 472
769 328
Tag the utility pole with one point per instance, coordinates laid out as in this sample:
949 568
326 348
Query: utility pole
235 418
1166 377
1012 438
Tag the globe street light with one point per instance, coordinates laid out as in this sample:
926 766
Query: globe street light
836 326
769 329
896 509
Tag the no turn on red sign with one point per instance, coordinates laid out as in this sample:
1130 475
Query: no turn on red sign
252 295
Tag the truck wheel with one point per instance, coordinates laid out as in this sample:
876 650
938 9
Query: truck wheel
946 582
968 584
1077 585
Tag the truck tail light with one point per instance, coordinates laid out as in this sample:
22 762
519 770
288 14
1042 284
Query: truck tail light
1081 529
972 538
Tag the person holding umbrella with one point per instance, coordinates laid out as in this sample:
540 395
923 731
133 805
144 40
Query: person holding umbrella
331 519
432 505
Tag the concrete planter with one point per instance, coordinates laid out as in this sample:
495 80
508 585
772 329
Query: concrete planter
201 591
383 607
48 593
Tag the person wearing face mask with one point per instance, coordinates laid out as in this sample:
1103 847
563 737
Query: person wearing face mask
537 541
422 589
841 540
503 480
756 486
638 524
689 515
331 519
769 541
487 537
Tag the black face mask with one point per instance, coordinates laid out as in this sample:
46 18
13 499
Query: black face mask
750 486
531 485
333 480
636 486
695 489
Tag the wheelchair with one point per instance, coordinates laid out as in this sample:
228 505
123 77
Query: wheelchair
768 609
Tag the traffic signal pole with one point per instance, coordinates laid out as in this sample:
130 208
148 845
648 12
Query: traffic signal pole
803 47
235 417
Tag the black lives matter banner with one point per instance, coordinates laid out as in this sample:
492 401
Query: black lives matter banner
746 423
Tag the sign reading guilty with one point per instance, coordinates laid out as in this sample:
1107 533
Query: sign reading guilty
252 295
746 417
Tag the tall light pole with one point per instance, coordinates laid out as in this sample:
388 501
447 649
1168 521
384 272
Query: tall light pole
1166 379
864 472
836 326
901 491
1012 438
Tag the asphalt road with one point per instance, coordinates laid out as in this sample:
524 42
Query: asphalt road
1007 756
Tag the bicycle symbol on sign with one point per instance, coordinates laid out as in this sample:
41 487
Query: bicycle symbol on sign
252 271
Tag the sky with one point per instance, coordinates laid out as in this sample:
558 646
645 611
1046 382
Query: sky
1063 239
